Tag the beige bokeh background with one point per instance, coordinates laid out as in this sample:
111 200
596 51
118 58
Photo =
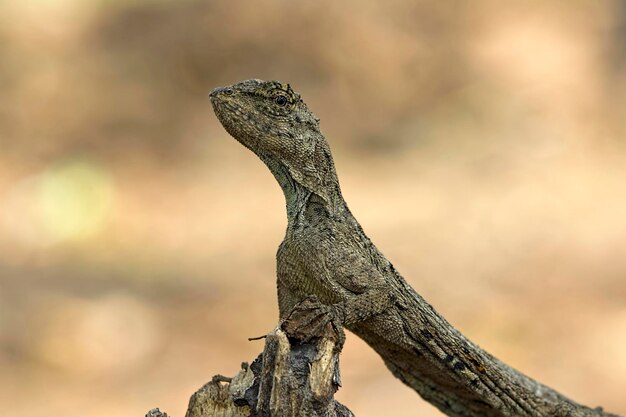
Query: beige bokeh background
481 145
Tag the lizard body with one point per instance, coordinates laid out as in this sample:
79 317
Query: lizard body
326 254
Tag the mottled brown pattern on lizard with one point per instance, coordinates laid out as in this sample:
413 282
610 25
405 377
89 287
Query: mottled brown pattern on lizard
326 254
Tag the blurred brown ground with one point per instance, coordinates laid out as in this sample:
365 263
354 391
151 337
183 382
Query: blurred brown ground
481 145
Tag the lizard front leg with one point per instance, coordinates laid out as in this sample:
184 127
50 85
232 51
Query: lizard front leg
320 286
311 318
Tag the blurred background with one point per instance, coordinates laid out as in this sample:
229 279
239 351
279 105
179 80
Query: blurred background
481 145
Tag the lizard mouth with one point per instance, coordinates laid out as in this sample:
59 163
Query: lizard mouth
233 118
228 113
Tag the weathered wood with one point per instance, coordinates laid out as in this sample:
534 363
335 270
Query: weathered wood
289 378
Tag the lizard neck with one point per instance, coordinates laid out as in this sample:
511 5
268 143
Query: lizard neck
299 198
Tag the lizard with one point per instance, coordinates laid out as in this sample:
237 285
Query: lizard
329 269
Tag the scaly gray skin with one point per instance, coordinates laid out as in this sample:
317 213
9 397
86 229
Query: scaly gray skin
326 254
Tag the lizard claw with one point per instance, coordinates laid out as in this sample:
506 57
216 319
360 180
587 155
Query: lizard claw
310 319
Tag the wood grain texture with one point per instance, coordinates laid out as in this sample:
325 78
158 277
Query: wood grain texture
290 378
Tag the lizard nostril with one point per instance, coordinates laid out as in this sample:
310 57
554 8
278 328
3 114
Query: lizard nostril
226 90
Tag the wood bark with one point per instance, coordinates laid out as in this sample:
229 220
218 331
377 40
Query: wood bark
298 375
289 378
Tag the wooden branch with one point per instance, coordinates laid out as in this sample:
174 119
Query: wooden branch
289 378
297 374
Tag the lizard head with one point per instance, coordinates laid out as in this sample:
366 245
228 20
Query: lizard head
271 119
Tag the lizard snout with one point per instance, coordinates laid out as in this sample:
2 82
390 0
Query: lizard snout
218 90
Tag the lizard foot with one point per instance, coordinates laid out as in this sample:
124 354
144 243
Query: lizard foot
310 318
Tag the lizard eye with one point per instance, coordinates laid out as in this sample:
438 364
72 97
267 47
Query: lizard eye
281 100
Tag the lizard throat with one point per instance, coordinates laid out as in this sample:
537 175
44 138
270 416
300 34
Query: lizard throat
299 196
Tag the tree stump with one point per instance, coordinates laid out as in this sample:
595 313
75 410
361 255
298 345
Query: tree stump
291 377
